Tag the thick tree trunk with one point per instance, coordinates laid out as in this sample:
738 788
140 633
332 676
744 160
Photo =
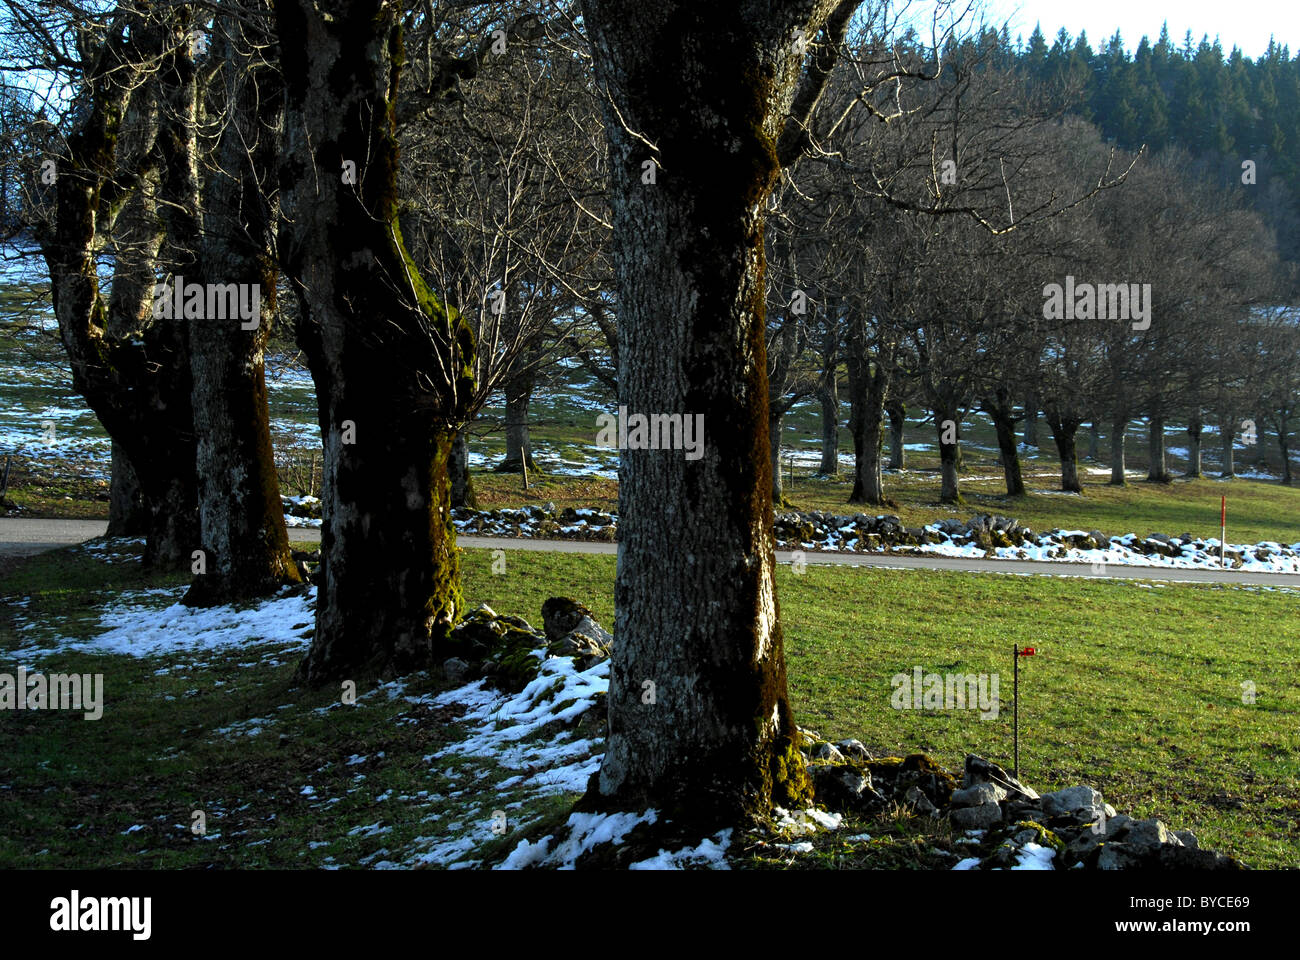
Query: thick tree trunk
126 508
1031 420
1117 430
133 371
462 484
868 480
393 368
1284 448
242 518
1064 434
700 725
868 392
1005 427
828 394
519 395
897 428
774 427
1158 471
1194 447
1227 437
949 454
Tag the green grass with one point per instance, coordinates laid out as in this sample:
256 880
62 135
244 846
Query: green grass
1136 691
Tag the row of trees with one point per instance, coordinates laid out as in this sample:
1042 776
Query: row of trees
688 197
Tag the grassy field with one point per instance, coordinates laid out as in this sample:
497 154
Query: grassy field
1137 691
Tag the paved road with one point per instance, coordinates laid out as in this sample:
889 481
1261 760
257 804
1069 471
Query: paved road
21 537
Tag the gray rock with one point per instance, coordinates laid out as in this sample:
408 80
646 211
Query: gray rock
977 795
976 818
1118 856
844 787
979 770
1112 828
1150 833
828 752
1080 848
854 750
1188 838
1082 802
585 650
919 802
562 616
454 669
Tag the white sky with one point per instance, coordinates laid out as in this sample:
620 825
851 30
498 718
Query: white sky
1242 22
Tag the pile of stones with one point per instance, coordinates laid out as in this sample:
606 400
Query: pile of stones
1082 830
506 651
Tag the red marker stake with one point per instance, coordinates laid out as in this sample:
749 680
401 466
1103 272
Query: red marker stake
1016 654
1223 529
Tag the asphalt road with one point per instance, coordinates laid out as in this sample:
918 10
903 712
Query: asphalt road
24 537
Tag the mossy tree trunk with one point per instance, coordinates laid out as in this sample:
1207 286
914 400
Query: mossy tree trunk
393 367
462 484
775 426
132 370
242 519
700 725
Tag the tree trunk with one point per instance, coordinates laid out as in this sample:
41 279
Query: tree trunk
1031 420
775 424
1285 449
242 518
1194 447
462 484
519 395
949 455
393 367
1005 428
1064 434
1227 437
829 396
132 370
1117 429
1158 472
126 509
700 725
1094 440
868 392
868 437
897 427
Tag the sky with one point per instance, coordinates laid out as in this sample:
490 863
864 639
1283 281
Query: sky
1242 22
